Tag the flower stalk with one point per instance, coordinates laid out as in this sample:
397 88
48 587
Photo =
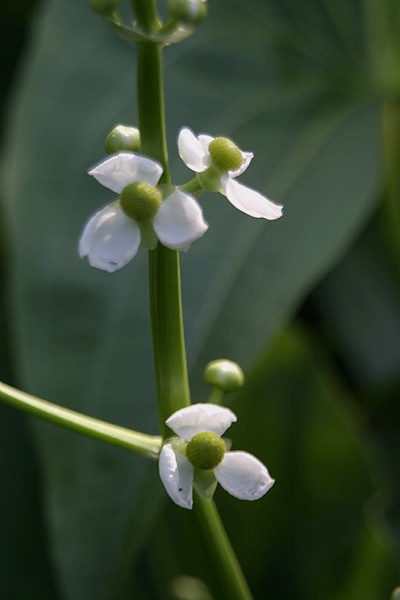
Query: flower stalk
165 296
164 270
229 571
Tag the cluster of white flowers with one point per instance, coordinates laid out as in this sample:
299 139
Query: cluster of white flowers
112 236
200 454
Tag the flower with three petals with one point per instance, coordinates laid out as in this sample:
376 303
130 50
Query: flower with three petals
111 238
199 153
199 458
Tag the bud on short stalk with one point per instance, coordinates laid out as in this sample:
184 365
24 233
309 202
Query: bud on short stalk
224 374
122 138
189 12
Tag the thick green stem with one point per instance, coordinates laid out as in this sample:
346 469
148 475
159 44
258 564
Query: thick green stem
141 443
166 305
164 274
151 105
167 329
146 15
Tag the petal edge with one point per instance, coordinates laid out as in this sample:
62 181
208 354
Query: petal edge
176 474
179 221
243 476
196 418
250 201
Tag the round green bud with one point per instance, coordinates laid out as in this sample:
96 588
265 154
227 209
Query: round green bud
104 7
225 155
224 375
190 12
205 450
122 138
140 201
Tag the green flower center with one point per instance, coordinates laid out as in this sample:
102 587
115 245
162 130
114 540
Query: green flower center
205 450
225 155
140 201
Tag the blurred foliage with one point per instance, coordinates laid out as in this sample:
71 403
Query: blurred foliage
309 305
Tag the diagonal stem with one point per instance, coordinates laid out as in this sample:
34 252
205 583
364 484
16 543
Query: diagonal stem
141 443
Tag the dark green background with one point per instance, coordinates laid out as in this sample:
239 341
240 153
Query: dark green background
309 305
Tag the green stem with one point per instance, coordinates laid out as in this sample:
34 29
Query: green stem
146 15
164 272
216 396
147 445
166 306
167 329
151 105
192 187
227 565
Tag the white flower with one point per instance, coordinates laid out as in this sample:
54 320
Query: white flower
194 151
111 238
239 473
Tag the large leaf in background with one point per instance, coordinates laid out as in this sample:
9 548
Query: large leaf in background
358 306
82 337
26 569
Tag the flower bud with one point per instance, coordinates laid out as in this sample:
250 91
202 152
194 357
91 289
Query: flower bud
189 12
140 201
122 138
224 375
225 155
104 8
396 594
205 450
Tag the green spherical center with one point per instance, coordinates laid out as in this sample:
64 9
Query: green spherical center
225 155
205 450
140 201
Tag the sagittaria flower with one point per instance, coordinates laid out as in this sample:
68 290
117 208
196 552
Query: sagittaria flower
112 236
198 457
220 161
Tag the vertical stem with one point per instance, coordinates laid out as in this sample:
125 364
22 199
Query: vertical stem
167 329
146 15
165 297
164 272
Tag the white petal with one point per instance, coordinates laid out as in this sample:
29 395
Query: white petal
110 239
247 157
119 170
205 141
249 201
243 476
179 221
176 473
192 151
193 419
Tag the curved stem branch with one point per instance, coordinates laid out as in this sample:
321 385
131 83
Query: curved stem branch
141 443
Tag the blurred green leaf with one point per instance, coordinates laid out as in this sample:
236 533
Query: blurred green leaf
294 415
358 304
82 336
358 312
25 565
